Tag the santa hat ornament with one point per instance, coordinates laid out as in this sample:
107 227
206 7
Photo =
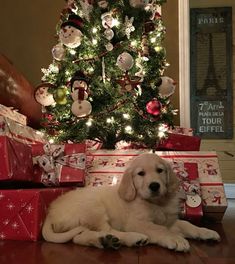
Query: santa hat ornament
166 86
70 33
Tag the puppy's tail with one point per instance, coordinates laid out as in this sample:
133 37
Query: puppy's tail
51 236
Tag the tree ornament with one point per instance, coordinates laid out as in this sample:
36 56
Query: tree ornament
108 33
79 92
128 26
125 61
139 3
166 86
42 96
87 7
81 108
153 107
60 95
58 52
70 34
103 4
107 20
145 47
128 84
149 26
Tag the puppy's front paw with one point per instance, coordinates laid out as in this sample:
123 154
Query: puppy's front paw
208 234
136 239
176 243
110 241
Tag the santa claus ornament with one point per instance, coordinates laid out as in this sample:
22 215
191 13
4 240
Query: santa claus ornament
81 107
42 96
166 86
70 33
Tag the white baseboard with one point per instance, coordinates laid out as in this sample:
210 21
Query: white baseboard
229 190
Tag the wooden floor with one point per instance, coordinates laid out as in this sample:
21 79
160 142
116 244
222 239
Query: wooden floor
19 252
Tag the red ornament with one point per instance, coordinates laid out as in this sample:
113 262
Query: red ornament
154 107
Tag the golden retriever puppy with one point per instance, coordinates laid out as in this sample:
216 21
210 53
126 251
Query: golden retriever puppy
142 209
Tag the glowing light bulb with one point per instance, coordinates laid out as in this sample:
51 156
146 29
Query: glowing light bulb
94 41
51 140
94 30
110 120
134 43
128 129
115 22
89 122
72 51
153 40
126 116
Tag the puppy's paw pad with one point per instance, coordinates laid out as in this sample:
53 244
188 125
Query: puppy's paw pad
142 242
110 241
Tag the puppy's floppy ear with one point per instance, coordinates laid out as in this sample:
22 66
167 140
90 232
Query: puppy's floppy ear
127 189
172 180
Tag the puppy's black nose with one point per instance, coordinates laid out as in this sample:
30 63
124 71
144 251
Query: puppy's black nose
154 186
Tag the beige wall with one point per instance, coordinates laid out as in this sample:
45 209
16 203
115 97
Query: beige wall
170 19
224 148
27 34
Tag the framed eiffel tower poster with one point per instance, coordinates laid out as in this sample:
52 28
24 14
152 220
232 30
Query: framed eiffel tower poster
211 72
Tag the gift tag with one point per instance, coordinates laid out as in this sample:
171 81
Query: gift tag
193 200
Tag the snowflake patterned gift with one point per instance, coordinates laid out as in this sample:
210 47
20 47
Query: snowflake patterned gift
23 212
16 160
63 165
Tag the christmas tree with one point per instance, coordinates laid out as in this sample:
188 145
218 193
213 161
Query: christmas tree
106 81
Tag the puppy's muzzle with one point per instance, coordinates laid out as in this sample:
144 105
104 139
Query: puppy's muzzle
154 188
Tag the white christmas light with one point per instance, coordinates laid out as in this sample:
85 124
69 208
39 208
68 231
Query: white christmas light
110 120
115 22
51 140
158 48
153 40
134 43
126 116
94 30
89 122
94 41
161 134
72 51
128 129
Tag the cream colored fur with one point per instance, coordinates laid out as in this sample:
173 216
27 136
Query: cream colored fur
133 213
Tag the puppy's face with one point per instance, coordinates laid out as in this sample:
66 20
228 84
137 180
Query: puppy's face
149 177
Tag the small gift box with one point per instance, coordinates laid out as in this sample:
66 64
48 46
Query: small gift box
19 132
16 160
13 114
179 142
59 164
23 212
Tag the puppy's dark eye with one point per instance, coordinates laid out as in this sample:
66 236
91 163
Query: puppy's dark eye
159 170
141 173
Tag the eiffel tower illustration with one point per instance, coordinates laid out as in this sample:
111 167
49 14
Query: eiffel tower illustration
211 85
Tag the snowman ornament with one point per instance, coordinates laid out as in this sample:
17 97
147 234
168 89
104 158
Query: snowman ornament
70 33
81 107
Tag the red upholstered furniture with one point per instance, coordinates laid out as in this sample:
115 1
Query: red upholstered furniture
17 92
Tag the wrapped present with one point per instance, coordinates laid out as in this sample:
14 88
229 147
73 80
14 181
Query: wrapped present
13 114
59 164
16 160
23 212
19 132
182 131
106 168
179 142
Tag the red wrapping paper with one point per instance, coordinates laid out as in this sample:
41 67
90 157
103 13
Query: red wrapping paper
180 142
16 160
23 212
66 175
